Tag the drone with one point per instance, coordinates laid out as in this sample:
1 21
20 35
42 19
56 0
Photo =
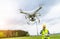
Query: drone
32 17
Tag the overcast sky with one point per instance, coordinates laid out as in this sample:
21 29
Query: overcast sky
10 17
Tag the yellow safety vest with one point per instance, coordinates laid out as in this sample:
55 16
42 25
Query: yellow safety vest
44 32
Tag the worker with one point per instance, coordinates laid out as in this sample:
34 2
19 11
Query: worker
45 32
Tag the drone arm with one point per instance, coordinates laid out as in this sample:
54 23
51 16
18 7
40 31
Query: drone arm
37 9
22 12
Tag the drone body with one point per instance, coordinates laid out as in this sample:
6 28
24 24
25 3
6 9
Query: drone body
32 17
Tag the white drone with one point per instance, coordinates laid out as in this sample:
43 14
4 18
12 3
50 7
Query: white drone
33 16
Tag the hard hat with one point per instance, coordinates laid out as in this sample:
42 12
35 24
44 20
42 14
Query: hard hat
44 25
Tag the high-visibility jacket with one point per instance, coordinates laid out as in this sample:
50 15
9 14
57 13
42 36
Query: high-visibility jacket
44 32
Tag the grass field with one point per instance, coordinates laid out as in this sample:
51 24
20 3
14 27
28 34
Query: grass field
55 36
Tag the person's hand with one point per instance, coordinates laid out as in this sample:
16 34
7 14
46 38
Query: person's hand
47 35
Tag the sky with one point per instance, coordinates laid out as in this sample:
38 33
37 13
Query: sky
12 19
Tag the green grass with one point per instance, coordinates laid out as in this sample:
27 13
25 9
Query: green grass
55 36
